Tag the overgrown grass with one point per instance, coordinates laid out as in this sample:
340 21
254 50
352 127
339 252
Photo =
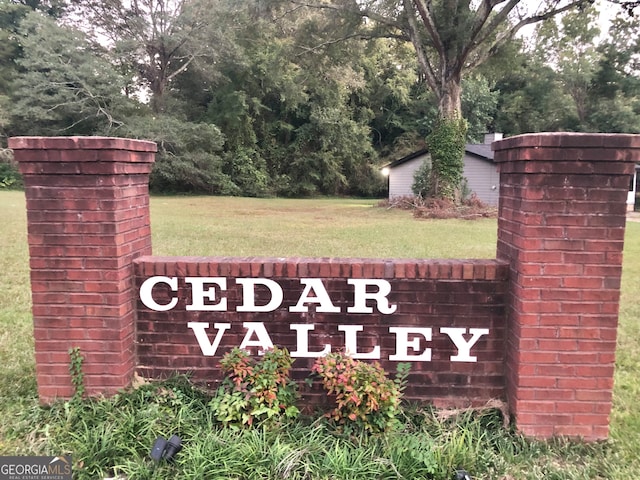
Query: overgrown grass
114 436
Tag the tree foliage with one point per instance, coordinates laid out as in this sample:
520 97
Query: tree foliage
450 37
300 98
65 85
572 79
189 155
154 41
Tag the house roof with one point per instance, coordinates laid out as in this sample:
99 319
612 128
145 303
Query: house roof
408 158
480 150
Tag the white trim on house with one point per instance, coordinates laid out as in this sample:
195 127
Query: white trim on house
633 189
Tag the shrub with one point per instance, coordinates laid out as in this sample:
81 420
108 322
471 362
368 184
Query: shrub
189 157
255 391
421 186
9 175
248 170
365 398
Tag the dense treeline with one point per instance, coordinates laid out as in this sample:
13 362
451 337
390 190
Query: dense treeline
274 98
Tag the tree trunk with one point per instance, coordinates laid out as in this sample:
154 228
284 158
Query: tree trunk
446 143
158 84
157 98
450 102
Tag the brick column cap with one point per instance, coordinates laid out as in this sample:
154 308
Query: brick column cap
568 140
81 143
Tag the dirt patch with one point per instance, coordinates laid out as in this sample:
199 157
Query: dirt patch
430 208
633 216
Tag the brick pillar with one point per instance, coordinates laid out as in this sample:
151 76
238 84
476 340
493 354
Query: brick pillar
88 219
561 226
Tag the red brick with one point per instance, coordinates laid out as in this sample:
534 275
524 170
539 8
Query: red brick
580 193
537 381
537 415
71 219
542 282
587 282
532 306
399 270
590 419
543 233
537 357
574 407
544 431
555 395
574 431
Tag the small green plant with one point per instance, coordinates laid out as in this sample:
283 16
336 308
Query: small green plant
414 453
422 186
255 390
10 177
365 397
77 375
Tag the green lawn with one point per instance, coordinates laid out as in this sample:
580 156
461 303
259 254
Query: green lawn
276 227
312 228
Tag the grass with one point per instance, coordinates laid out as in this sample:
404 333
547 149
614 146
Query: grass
114 436
310 228
625 418
17 377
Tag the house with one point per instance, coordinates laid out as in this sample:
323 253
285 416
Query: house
634 191
480 172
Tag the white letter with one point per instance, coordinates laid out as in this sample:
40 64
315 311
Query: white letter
198 294
351 343
403 344
249 295
147 287
263 342
464 346
302 342
200 329
321 297
360 296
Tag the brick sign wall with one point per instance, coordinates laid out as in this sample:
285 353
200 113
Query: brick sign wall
447 318
536 327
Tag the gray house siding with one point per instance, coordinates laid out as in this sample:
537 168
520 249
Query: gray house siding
479 170
482 178
401 177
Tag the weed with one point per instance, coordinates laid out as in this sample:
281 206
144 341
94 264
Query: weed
77 375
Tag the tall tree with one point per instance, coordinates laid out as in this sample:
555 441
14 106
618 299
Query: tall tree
615 86
571 79
64 86
297 115
155 40
450 39
12 12
569 46
532 99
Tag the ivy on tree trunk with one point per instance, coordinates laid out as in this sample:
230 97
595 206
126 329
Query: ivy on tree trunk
446 144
